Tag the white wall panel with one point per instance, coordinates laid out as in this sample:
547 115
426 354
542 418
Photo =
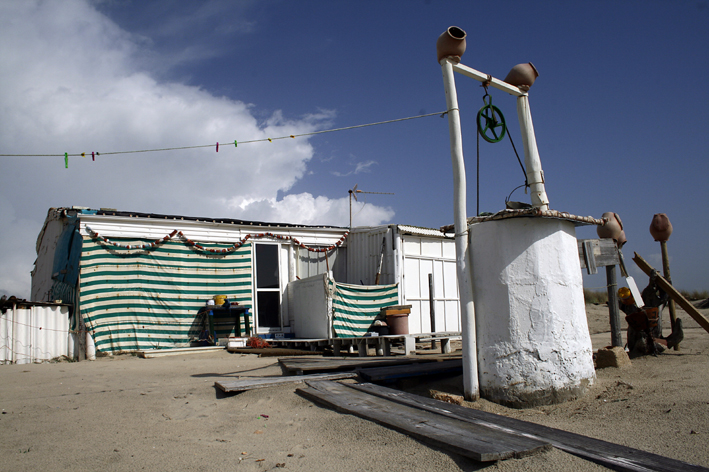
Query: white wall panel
431 248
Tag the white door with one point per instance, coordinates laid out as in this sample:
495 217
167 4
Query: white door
267 278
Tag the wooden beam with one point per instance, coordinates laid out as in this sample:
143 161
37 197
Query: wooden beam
251 383
480 77
613 456
673 293
151 353
388 373
477 442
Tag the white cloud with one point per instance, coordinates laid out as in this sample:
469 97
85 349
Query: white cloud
73 81
359 167
364 166
306 209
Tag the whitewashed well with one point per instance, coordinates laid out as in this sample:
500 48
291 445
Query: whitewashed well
533 343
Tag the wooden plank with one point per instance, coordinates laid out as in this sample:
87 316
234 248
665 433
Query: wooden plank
398 311
329 364
604 252
589 258
608 454
274 351
479 76
178 351
673 293
477 442
374 374
251 383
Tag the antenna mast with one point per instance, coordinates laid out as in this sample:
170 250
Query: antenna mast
353 194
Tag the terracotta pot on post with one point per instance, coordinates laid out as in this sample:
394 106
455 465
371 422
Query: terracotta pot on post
613 228
660 228
451 43
522 75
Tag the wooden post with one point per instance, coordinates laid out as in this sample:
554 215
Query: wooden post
666 273
613 311
471 382
432 308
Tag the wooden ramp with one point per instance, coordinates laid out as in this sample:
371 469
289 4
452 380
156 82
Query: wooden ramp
389 373
251 383
611 455
477 442
299 366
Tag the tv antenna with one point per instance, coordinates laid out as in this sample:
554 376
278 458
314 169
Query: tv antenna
353 194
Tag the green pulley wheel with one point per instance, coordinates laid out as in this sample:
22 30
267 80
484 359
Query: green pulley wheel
490 120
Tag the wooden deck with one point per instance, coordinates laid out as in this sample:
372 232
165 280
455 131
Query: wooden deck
381 344
309 365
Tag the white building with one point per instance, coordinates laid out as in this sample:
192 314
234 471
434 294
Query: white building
137 280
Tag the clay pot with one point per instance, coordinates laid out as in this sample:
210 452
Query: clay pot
522 75
613 227
451 43
621 239
660 228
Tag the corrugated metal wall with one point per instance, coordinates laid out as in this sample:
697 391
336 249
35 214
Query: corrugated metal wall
34 334
364 249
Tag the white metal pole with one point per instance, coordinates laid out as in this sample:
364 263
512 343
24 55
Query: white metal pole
13 357
535 175
471 384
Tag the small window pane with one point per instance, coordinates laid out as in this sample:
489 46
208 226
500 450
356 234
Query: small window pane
267 266
268 304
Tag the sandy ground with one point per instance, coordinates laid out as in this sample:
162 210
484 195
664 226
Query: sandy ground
127 413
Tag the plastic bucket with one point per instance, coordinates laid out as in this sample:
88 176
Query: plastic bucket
398 324
219 299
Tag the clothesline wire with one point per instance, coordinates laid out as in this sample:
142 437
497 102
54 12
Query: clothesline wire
228 143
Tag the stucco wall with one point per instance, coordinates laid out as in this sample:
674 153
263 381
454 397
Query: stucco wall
533 341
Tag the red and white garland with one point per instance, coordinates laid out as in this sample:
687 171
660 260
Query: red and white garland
233 248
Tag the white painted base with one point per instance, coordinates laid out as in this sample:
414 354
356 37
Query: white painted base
90 347
534 347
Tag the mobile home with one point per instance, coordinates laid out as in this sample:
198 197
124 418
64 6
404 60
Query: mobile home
138 280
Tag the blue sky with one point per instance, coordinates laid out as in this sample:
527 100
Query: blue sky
619 109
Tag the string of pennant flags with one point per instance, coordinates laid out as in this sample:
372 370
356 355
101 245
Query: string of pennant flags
234 247
236 143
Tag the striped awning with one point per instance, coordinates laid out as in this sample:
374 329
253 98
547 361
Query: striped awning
136 299
355 307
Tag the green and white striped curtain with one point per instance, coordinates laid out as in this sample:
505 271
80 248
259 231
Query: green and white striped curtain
355 307
139 299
